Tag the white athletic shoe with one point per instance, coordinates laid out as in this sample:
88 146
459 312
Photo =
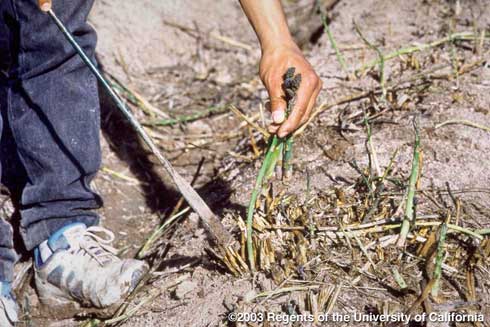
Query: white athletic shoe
76 268
8 306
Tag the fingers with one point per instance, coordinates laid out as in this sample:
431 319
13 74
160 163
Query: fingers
277 105
311 104
45 5
305 100
272 68
273 128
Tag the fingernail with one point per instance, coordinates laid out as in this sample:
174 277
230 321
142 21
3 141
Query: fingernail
278 116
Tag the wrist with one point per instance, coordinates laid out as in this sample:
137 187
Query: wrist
284 42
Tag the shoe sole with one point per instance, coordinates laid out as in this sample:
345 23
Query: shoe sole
65 310
57 306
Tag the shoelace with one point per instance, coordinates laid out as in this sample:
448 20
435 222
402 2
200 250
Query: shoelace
98 247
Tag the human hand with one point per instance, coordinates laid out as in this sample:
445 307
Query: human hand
273 65
45 5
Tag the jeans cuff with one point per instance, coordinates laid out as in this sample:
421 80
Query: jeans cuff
6 271
40 231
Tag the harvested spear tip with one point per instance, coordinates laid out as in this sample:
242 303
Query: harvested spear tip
291 83
289 73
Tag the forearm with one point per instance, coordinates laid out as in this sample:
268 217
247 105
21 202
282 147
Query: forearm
279 53
268 20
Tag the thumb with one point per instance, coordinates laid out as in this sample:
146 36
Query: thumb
278 105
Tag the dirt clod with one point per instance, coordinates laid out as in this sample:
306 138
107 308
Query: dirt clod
182 291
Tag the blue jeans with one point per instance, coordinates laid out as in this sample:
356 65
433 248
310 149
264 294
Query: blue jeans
50 100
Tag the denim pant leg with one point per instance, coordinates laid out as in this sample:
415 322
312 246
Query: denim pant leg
53 110
7 252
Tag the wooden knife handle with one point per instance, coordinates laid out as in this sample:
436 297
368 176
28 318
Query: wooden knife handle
45 5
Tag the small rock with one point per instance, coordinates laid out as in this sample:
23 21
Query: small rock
199 127
229 301
184 288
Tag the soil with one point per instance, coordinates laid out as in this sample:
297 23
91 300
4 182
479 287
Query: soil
168 53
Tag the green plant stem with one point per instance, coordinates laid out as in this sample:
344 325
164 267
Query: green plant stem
287 150
381 60
439 259
287 154
379 189
338 54
287 168
409 210
277 147
266 167
276 159
135 99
